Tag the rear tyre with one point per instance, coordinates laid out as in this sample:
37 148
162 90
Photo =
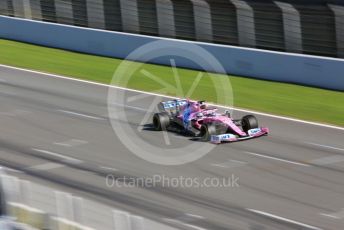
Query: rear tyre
161 121
249 122
206 131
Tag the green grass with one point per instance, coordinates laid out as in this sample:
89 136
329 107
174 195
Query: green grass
301 102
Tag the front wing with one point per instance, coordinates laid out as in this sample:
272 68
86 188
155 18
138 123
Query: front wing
228 137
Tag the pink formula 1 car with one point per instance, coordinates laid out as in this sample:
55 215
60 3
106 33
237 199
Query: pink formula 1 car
197 119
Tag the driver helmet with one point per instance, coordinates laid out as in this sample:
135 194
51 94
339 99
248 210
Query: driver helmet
202 105
199 115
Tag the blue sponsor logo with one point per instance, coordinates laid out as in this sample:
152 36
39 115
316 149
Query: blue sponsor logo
254 131
227 136
223 137
215 138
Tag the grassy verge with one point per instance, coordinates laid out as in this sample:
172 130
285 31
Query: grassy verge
278 98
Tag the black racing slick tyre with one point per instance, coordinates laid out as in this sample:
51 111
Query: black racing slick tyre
249 122
161 121
206 131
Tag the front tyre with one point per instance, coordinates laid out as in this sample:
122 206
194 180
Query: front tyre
161 121
249 122
206 131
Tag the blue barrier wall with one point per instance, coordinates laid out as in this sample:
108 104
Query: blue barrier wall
269 65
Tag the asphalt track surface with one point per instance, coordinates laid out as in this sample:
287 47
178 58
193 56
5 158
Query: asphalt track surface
291 179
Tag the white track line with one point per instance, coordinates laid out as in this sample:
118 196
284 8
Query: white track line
240 162
108 168
80 114
154 94
336 215
194 216
277 159
219 165
230 164
325 146
283 219
46 166
329 215
65 158
9 169
71 143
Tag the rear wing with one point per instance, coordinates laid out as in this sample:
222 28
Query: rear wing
171 106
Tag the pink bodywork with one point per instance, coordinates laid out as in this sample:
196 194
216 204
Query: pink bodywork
211 119
210 115
227 121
